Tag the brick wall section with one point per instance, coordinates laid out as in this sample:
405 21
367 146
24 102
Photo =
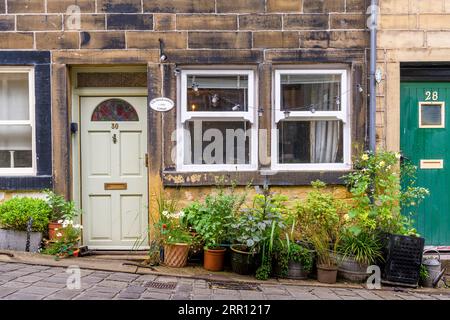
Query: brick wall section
414 26
184 24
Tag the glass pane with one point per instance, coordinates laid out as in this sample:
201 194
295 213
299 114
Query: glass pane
431 114
217 93
311 92
114 110
14 96
310 141
217 142
16 147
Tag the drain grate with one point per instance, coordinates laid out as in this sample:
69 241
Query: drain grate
161 285
233 286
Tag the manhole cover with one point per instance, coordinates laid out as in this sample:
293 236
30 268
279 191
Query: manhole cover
233 286
161 285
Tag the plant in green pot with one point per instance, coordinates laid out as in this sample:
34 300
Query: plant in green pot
212 220
248 232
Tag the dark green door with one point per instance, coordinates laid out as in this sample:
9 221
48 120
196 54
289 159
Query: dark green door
425 141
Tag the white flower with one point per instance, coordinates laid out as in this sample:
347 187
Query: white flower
382 163
59 234
346 217
365 157
398 155
56 229
60 221
165 213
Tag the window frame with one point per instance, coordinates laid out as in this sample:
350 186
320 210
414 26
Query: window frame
433 103
343 115
32 171
183 116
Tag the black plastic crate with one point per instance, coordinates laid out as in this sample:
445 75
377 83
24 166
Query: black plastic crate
403 257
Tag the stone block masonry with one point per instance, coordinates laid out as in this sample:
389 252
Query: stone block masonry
187 24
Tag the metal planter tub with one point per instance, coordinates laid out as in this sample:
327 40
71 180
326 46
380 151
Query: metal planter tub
351 270
17 240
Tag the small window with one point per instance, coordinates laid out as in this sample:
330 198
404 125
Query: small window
16 121
114 110
217 121
311 118
432 114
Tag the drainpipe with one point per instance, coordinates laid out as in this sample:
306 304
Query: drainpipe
372 82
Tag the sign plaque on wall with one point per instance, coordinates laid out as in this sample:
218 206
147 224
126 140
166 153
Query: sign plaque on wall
162 104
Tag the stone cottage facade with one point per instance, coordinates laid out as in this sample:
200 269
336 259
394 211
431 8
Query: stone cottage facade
266 92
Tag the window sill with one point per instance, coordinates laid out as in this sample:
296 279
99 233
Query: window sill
242 178
25 182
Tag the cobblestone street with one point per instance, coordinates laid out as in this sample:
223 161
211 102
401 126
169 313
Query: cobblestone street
32 282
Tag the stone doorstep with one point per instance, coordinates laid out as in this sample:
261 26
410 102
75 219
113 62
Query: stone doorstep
117 266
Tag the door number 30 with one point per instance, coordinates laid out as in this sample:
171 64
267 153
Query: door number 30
431 95
114 126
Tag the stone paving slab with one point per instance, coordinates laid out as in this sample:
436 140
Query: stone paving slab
27 282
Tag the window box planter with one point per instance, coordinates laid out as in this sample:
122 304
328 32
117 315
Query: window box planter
403 257
17 240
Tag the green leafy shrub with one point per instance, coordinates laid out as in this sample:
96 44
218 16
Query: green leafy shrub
321 222
60 208
15 214
364 247
212 219
67 241
380 189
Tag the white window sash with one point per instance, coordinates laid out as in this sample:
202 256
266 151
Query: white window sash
226 116
343 115
246 115
31 122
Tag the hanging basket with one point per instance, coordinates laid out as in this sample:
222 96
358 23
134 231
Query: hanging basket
175 255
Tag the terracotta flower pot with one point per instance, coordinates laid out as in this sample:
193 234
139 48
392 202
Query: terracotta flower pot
214 259
53 229
327 274
175 255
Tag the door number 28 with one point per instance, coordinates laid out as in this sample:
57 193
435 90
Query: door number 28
431 95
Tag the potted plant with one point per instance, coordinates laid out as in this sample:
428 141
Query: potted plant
211 221
60 210
384 196
176 239
321 219
67 241
18 215
294 261
358 250
271 209
248 232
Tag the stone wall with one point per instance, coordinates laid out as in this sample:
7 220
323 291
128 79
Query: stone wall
183 24
410 31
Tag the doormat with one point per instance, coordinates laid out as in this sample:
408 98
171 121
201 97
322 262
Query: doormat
161 285
233 286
